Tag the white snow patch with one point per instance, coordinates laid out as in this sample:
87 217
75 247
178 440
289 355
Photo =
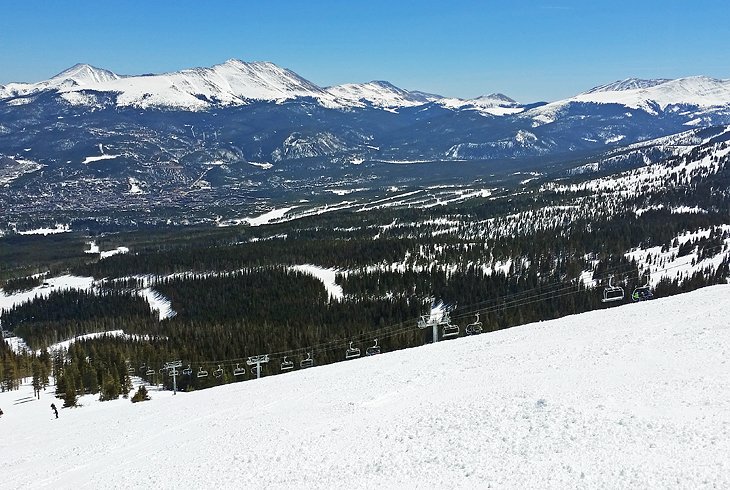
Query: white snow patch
158 303
268 217
88 160
61 283
59 228
326 276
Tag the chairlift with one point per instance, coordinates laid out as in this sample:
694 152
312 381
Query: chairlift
130 370
352 352
642 293
150 372
308 362
448 330
286 365
218 372
373 349
611 292
239 371
187 371
202 373
474 328
424 322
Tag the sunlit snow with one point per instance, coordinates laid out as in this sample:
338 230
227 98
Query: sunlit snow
631 397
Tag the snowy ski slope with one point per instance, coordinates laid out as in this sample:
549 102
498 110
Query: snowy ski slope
636 396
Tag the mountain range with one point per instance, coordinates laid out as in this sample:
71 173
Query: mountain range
242 133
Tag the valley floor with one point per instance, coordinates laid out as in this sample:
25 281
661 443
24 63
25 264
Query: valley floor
636 396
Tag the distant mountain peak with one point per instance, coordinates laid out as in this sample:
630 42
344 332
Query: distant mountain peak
627 84
84 74
495 98
378 93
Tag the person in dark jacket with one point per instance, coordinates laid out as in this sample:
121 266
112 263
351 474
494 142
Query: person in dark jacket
55 411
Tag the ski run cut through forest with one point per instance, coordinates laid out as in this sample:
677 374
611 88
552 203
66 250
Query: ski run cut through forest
636 396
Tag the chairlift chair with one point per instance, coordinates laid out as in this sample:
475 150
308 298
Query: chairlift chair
150 372
173 372
448 330
187 371
611 292
218 372
255 370
308 362
130 370
286 365
239 371
352 352
373 349
202 373
642 293
474 328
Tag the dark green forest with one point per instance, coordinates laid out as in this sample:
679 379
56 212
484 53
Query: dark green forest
513 258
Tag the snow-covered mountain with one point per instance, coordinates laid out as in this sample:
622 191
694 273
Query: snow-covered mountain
544 405
651 96
378 94
492 104
234 82
80 76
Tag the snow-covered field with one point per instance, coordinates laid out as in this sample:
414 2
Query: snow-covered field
631 397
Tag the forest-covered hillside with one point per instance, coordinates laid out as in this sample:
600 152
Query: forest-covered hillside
213 297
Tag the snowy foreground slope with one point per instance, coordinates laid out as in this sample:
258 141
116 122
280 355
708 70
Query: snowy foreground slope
636 396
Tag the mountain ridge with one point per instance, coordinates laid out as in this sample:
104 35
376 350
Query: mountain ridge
236 82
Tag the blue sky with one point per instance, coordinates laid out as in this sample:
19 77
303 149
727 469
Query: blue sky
529 50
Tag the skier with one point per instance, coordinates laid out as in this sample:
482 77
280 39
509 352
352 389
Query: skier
55 411
1 412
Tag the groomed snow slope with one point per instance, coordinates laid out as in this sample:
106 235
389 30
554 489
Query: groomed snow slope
636 396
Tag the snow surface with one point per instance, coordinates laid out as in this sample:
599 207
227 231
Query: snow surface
630 397
88 160
492 104
94 249
327 276
378 94
59 228
268 217
159 303
669 265
60 283
647 95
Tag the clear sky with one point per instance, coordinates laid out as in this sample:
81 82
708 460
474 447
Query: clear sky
529 50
